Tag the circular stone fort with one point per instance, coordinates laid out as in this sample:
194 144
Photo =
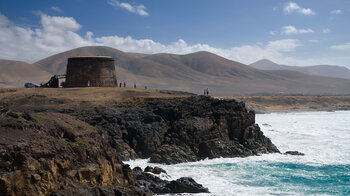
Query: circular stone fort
94 71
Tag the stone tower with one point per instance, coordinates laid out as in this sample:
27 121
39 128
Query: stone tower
94 71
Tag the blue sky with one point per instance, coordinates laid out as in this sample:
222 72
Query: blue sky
288 32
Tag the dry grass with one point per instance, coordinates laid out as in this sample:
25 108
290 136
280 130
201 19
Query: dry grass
96 96
65 98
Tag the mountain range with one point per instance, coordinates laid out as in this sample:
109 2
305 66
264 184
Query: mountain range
319 70
191 72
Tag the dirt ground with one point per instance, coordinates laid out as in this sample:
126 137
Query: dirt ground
65 97
92 95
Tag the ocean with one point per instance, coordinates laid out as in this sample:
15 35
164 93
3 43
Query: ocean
324 137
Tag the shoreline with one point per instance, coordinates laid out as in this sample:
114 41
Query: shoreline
297 111
289 103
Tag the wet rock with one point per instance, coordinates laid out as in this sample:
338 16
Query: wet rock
157 185
158 170
294 153
186 185
155 170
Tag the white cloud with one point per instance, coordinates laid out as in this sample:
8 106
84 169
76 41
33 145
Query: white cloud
283 45
337 12
345 46
58 23
56 9
272 33
326 30
288 30
59 34
56 34
292 7
137 9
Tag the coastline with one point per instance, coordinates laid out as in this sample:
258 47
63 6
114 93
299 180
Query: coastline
297 103
75 139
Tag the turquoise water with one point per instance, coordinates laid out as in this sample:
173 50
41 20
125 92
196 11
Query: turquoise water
324 137
290 177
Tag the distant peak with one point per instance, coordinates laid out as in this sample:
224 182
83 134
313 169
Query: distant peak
265 61
203 53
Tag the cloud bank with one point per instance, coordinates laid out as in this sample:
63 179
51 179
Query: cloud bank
58 34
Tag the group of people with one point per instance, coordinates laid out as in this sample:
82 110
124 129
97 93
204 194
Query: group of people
120 85
206 91
124 85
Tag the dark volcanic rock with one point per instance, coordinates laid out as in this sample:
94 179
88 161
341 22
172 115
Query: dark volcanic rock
155 170
151 182
294 153
186 185
181 129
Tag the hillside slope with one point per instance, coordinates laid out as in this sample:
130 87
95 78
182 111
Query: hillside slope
16 73
319 70
197 71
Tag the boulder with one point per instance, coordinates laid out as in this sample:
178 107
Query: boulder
294 153
151 182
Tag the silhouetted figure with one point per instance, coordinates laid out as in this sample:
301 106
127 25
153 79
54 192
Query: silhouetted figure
134 85
120 85
207 91
145 87
124 85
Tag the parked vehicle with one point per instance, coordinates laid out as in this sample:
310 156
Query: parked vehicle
31 85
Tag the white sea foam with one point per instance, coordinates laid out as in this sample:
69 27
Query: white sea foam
324 137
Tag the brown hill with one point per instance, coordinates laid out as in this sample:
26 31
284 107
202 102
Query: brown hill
196 71
16 73
318 70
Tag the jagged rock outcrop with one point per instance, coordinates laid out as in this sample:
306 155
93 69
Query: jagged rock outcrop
181 129
150 181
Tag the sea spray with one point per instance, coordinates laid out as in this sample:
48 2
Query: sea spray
324 170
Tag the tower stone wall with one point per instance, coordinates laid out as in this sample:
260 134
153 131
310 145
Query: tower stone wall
94 71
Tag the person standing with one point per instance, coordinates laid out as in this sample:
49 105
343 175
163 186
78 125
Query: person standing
124 84
207 91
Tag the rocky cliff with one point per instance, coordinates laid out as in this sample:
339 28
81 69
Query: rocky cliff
51 153
180 129
61 148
